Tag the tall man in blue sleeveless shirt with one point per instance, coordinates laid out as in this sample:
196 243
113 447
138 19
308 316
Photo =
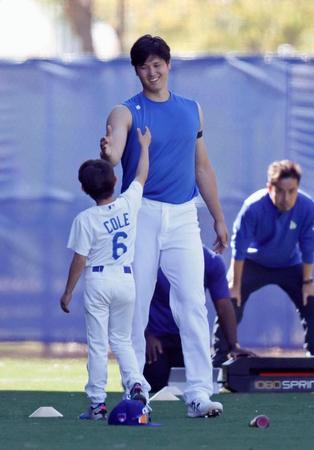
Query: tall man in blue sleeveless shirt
168 233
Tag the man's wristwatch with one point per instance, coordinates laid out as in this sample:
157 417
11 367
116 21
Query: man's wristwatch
308 281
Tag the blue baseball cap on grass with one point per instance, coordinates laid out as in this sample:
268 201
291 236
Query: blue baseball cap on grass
131 412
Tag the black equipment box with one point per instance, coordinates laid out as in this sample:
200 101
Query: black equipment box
258 374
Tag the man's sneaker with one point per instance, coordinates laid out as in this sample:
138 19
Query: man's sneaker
204 408
99 412
137 393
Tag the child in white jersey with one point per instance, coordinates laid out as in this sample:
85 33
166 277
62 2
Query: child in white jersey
102 238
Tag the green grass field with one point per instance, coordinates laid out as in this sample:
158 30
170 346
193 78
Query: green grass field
28 384
50 374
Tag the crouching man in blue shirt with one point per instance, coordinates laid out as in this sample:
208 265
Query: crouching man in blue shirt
273 243
163 343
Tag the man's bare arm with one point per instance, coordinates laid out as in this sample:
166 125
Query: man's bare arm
206 181
113 143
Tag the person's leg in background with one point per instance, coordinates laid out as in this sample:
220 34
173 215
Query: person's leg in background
254 277
291 282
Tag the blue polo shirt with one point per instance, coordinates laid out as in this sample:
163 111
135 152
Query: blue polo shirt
263 234
161 321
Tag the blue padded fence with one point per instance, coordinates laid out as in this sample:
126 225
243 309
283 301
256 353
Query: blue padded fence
52 115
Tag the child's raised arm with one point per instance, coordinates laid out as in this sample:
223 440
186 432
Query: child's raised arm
143 163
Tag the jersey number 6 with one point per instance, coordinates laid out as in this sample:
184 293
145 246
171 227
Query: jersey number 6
118 248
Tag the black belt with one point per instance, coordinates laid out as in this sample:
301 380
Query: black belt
126 269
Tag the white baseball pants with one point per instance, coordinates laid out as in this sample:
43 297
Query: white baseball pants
109 305
169 236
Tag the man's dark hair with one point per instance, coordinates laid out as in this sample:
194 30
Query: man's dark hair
97 178
283 169
146 46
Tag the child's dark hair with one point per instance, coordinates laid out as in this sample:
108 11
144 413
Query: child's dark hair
146 46
97 178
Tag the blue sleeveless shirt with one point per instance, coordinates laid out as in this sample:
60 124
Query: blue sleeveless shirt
174 125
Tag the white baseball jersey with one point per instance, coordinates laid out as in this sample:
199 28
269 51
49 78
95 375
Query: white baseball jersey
106 233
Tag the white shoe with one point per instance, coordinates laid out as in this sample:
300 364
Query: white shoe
204 408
